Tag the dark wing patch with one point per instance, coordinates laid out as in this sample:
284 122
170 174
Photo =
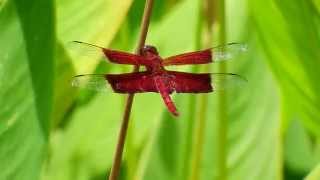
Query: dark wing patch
197 57
183 82
216 54
137 82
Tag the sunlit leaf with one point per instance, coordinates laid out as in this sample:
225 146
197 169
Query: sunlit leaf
299 159
292 47
88 140
26 81
96 22
314 174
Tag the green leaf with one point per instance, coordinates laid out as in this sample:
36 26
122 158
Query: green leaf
88 140
290 37
94 22
99 21
292 47
314 174
64 93
301 158
26 78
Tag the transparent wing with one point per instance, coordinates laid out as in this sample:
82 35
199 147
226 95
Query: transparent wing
114 56
85 49
95 82
226 81
228 51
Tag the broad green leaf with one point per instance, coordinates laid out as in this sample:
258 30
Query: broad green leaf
87 140
290 36
2 2
317 5
300 159
95 22
26 82
314 174
292 44
64 94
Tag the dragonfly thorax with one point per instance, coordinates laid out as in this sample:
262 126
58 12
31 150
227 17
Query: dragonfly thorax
148 49
155 65
151 53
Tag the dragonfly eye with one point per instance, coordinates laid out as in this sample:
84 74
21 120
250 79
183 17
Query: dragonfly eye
149 49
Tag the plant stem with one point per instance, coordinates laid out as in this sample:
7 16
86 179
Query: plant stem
222 103
187 161
203 101
125 120
199 139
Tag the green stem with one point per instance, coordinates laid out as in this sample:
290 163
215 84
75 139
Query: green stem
187 161
188 138
131 152
222 137
222 103
199 139
125 121
203 101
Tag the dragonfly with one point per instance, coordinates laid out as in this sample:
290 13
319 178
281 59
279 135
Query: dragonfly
155 78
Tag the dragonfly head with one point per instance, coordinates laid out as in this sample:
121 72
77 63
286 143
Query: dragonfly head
149 49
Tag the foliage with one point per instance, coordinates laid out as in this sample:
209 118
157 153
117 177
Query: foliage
49 130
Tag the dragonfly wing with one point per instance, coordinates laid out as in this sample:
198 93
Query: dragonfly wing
85 49
219 53
197 57
228 51
137 82
95 82
182 82
114 56
227 81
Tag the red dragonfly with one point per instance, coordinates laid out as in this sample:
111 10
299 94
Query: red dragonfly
159 80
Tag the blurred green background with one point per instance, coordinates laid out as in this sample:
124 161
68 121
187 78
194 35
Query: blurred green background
268 130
